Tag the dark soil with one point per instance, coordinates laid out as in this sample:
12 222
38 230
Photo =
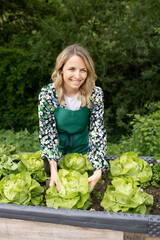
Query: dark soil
156 196
101 187
98 194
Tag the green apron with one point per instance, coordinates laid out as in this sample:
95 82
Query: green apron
72 127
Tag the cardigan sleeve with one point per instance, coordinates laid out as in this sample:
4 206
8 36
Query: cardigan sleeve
48 134
97 134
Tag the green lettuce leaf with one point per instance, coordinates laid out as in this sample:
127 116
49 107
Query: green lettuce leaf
129 164
74 191
55 201
124 196
9 160
75 161
21 189
33 163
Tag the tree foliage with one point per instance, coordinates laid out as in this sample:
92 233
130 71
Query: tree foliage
123 38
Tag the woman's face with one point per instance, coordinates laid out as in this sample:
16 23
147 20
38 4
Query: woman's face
74 74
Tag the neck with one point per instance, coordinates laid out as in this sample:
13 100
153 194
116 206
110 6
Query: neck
70 93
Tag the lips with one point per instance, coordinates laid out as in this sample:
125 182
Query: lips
76 82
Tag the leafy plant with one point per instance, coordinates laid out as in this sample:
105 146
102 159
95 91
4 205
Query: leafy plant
21 189
128 31
156 174
33 163
9 159
73 182
74 191
23 141
146 131
124 196
128 164
145 184
97 194
75 161
145 136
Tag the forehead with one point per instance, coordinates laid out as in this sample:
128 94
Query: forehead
75 61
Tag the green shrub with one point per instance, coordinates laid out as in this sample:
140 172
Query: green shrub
23 141
156 174
145 137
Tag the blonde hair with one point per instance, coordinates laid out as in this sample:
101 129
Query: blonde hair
89 83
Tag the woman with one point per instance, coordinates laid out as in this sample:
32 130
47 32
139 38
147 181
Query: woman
71 113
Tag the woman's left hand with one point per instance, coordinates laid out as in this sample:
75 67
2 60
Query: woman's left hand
92 180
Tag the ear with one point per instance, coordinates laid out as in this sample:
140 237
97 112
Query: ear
61 72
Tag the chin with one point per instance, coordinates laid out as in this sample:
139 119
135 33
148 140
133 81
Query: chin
76 86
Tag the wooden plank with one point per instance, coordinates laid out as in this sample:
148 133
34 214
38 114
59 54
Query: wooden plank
138 236
133 236
13 229
151 238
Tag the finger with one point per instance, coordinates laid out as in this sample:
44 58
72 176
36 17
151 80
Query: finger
51 183
91 186
90 179
57 186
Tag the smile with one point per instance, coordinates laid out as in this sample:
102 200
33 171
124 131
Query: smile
76 81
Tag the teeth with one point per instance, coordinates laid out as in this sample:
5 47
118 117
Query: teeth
77 82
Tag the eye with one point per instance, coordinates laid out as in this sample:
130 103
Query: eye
71 68
84 70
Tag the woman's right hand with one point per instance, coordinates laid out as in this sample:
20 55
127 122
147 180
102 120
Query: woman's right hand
54 174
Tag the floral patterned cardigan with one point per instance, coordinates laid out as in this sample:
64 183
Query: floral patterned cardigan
48 135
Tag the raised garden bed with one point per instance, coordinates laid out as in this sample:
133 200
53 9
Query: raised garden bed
75 224
101 187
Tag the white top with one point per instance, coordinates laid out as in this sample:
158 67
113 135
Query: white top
73 103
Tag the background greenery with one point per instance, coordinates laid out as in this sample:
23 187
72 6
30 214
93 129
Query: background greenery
123 38
144 140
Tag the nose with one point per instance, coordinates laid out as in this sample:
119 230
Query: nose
77 74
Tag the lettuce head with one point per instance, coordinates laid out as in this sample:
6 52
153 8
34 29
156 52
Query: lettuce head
75 161
21 189
9 160
74 191
33 163
124 196
129 164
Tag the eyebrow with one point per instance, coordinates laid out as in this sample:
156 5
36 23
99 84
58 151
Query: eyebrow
74 67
